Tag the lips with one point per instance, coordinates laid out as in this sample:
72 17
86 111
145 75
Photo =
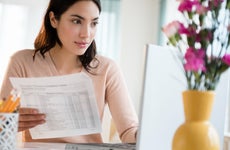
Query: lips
81 44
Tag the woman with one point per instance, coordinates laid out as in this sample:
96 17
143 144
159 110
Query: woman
65 45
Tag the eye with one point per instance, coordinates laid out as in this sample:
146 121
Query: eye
94 24
76 21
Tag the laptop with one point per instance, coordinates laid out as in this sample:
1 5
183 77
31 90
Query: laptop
162 109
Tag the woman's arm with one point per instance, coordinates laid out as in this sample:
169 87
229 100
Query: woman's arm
28 117
121 106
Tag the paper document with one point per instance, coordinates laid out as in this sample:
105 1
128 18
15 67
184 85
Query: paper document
68 101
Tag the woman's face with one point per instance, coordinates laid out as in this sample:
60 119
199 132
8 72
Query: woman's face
77 26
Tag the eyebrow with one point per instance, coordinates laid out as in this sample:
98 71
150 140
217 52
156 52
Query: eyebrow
83 17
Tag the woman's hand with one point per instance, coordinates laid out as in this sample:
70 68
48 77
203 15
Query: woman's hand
29 118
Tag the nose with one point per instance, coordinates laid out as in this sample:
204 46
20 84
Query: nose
85 31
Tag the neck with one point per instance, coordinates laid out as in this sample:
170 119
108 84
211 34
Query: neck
65 62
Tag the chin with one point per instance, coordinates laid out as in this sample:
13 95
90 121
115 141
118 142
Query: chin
80 53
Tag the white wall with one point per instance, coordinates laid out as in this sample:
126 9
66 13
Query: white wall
15 18
139 26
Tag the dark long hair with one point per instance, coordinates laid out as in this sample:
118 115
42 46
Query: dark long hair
47 37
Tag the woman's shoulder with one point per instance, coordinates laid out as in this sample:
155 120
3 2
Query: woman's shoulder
27 56
105 64
103 60
23 53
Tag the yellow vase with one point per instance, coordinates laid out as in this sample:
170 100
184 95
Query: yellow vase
196 133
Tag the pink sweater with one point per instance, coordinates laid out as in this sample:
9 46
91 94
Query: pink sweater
109 86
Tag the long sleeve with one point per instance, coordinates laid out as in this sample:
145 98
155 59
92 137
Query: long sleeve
13 70
109 88
121 107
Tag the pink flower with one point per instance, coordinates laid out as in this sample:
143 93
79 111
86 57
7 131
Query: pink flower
172 28
226 59
190 31
216 3
199 33
187 5
194 60
201 9
204 35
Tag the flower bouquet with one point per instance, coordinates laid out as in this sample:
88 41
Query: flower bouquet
203 39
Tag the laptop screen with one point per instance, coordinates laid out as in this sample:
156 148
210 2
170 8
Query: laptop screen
162 107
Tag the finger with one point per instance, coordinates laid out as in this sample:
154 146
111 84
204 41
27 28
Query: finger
36 117
23 128
28 111
27 125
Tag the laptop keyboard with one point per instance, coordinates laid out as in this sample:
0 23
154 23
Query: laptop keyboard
101 146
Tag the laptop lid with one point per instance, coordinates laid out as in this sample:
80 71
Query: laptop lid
161 111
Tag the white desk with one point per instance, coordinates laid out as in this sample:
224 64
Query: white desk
64 146
41 146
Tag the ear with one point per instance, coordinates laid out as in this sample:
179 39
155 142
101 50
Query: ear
53 20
